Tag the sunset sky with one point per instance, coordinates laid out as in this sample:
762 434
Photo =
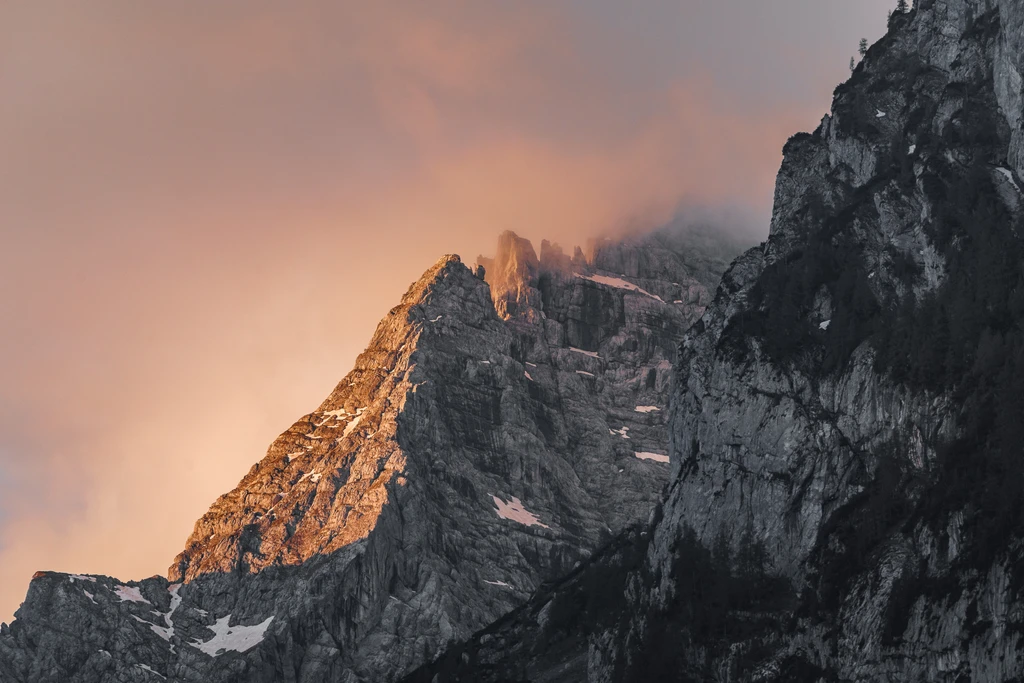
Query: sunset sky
206 207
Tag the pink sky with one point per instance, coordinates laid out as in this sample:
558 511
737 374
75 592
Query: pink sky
206 207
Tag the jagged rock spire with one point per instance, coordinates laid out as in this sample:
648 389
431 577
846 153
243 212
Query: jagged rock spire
513 278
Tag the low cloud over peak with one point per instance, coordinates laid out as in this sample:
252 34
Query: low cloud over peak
205 208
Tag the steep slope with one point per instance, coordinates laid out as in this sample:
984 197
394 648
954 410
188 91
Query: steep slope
468 457
847 494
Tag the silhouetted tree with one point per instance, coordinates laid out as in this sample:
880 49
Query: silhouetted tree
901 6
751 558
853 64
863 48
721 553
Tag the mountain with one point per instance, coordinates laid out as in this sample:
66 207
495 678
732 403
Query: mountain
847 491
503 423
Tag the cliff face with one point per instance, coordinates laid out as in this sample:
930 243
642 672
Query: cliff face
489 439
847 468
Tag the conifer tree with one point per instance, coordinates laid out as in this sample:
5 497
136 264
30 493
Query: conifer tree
901 6
863 49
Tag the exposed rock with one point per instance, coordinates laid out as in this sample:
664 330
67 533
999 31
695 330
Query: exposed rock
513 277
847 473
485 442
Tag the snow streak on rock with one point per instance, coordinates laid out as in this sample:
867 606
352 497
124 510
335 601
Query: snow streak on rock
515 511
232 638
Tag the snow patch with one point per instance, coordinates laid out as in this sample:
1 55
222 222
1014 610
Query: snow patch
91 598
620 284
824 325
880 114
155 673
341 414
80 577
592 354
237 638
532 365
515 511
585 373
130 594
164 633
292 456
498 583
657 457
647 409
620 432
351 426
486 362
1008 174
168 632
528 376
912 149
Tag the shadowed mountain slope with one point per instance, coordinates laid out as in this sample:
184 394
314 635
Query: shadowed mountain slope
492 435
847 491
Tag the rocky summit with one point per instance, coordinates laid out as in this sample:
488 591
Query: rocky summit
503 423
842 457
846 500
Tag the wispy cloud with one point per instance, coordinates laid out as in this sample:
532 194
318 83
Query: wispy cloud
206 207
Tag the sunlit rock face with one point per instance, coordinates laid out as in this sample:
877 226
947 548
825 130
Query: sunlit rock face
847 468
490 438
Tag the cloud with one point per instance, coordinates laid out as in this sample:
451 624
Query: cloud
206 207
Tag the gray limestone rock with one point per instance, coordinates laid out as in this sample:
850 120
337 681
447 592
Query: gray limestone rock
490 438
844 504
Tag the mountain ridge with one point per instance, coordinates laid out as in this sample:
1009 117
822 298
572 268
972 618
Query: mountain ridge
468 457
845 500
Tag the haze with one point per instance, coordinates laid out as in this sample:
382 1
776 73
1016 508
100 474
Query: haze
206 207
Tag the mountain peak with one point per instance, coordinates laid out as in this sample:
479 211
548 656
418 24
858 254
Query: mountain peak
324 482
513 276
459 422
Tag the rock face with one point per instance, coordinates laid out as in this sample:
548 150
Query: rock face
847 470
489 439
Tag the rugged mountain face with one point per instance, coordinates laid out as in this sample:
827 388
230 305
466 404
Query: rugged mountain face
489 439
847 464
